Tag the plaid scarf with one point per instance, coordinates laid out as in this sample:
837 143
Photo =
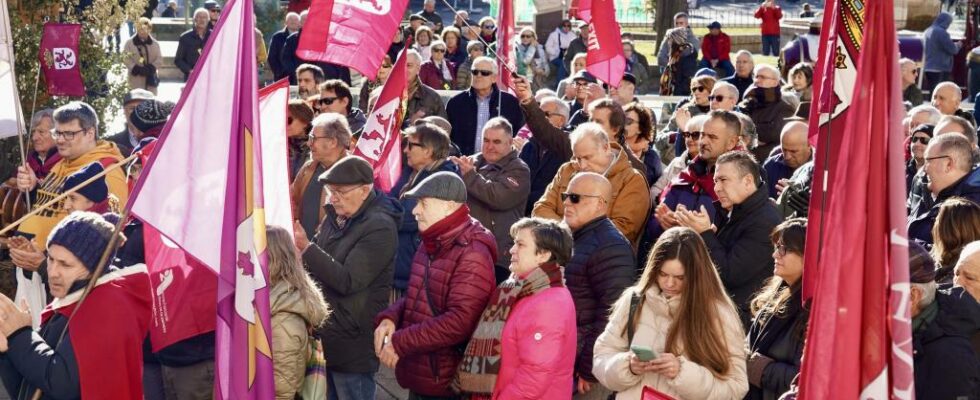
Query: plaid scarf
477 373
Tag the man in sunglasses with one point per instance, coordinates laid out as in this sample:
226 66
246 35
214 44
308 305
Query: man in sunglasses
602 265
335 97
911 92
949 171
593 152
470 110
794 151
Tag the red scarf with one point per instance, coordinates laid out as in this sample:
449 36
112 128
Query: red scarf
699 176
431 236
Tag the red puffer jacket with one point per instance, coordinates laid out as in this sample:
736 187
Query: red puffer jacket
460 281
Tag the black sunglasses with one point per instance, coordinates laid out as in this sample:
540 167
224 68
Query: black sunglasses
488 26
481 72
718 98
698 88
326 101
693 135
923 140
575 198
526 36
438 50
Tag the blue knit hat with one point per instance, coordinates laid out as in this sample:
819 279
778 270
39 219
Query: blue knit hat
84 234
97 191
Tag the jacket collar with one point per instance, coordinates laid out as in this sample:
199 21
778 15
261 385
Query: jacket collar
589 226
753 202
507 159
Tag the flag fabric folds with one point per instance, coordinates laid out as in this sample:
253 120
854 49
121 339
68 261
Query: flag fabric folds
380 144
207 198
59 59
11 116
353 33
604 59
859 336
505 45
273 107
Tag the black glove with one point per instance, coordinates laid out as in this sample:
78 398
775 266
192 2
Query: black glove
137 70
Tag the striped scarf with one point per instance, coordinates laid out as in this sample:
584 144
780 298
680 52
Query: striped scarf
477 373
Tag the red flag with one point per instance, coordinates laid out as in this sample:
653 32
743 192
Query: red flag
380 144
859 336
605 59
505 44
59 59
353 33
584 10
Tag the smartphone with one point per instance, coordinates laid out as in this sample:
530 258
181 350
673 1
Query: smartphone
644 353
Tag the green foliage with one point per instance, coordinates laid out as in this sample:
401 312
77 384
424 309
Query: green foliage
269 17
102 69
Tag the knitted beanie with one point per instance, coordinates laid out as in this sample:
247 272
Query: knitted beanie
85 235
96 191
151 114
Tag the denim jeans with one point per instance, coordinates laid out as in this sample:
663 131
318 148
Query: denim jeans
770 45
345 386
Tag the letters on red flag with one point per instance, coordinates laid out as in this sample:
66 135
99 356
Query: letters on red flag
59 59
605 59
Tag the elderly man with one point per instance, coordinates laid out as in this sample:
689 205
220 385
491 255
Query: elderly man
548 147
688 63
464 77
738 240
967 270
626 92
694 187
954 124
423 101
742 79
795 151
910 82
602 265
471 109
352 258
497 185
308 79
328 140
335 97
943 321
767 108
593 152
611 117
429 13
117 310
924 114
191 43
724 96
946 97
278 40
452 279
949 171
127 139
587 90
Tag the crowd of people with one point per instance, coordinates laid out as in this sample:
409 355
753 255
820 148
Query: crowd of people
558 242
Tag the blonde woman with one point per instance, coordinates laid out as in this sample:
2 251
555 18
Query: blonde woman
143 58
297 306
684 338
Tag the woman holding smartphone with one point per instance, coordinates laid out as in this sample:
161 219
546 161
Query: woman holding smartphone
678 314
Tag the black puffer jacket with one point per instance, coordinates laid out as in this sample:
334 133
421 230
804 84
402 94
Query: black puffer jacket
945 365
742 250
602 265
354 265
768 111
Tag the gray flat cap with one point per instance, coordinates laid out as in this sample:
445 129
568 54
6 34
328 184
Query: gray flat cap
440 185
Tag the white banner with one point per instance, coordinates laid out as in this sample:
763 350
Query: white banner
10 121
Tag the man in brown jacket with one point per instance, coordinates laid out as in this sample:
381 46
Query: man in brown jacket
329 140
497 185
592 152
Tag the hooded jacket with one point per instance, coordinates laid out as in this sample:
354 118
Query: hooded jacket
353 265
939 47
106 153
945 365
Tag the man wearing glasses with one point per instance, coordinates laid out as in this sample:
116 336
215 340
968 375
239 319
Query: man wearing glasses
949 171
910 82
335 97
470 110
765 105
602 265
328 140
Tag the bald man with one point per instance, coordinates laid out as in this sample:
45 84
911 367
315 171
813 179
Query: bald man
602 265
967 270
794 151
947 97
910 79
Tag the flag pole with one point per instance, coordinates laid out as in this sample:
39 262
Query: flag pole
480 38
61 196
21 127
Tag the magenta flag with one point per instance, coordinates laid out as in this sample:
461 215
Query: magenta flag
605 59
859 339
353 33
208 199
59 59
380 144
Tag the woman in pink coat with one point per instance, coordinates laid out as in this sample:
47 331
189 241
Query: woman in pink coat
524 345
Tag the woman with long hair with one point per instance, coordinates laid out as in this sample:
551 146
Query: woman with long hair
297 307
957 224
638 138
779 321
676 331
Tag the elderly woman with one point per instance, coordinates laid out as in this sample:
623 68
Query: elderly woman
426 150
532 316
699 103
143 58
779 318
691 136
423 42
676 331
438 72
638 138
566 88
532 63
455 45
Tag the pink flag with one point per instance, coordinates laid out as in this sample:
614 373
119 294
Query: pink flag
859 338
605 59
59 59
584 10
353 33
380 144
505 45
207 199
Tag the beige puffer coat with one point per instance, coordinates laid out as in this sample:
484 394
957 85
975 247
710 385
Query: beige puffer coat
290 339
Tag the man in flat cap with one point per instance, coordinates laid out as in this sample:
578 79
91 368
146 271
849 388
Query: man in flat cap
352 258
451 282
